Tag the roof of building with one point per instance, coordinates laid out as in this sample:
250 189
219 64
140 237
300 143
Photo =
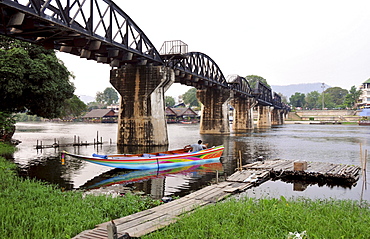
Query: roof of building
97 113
180 111
368 81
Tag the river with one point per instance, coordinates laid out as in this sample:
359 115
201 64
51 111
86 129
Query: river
321 143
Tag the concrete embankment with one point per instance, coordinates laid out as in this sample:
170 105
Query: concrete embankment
324 115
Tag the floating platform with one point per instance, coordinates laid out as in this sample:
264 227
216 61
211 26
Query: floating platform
251 175
312 171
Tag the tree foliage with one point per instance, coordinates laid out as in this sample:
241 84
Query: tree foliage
336 96
297 100
32 79
352 97
332 98
108 97
190 97
7 127
253 79
169 101
312 100
74 107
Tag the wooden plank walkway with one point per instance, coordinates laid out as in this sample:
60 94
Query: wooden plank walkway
315 170
150 220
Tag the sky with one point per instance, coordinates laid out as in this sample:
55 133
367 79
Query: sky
286 41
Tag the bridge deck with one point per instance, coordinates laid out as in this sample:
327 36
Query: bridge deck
150 220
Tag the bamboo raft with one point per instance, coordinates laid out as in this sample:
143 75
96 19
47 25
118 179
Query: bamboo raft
248 176
316 171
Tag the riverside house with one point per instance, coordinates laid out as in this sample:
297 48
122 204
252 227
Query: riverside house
101 116
181 115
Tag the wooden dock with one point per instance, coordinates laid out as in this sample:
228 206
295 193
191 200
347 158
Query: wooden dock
251 175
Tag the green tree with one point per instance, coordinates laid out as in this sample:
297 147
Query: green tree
190 97
312 100
336 96
328 101
252 80
352 97
32 79
7 127
108 97
74 107
297 100
169 101
95 105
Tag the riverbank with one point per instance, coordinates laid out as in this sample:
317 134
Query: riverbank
31 209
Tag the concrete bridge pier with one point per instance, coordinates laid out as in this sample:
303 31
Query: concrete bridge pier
215 109
243 113
264 116
142 119
277 117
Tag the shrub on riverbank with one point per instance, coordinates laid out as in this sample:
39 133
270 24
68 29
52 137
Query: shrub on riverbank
273 218
31 209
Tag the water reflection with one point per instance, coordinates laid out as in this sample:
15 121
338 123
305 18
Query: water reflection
157 176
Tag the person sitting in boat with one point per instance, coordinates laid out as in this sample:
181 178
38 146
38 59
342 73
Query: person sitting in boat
196 147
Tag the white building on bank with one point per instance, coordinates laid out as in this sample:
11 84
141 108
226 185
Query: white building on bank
364 100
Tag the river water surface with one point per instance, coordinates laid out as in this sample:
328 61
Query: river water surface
320 143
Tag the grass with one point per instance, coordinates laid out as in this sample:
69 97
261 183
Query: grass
6 149
31 209
273 218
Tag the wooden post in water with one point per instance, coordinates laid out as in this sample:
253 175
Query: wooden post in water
112 230
240 161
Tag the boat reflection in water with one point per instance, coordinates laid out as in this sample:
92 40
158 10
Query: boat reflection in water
156 182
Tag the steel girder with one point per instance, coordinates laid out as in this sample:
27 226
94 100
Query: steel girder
276 100
240 86
92 29
198 70
263 94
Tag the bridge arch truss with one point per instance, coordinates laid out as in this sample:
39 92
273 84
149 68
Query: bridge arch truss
198 70
93 29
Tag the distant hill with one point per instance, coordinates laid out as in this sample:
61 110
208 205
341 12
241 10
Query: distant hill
86 98
289 90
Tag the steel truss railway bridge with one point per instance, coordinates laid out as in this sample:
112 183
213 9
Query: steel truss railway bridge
99 30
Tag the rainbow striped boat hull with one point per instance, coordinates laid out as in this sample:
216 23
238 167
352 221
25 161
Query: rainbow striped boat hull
167 159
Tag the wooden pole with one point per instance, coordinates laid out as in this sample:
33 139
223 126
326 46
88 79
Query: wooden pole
365 166
112 230
240 160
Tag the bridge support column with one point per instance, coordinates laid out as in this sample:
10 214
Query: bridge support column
215 111
243 113
277 117
142 119
264 116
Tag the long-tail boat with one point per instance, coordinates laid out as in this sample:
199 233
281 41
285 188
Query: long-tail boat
172 158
